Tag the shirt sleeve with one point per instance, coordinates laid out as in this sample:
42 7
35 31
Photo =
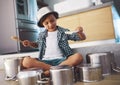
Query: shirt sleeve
73 36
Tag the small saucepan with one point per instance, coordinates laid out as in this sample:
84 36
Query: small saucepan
32 77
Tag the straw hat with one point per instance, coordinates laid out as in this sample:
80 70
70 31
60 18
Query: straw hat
42 13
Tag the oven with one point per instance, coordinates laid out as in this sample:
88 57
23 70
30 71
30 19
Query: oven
27 31
27 34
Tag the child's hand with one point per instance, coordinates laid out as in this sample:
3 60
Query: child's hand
79 29
26 43
80 33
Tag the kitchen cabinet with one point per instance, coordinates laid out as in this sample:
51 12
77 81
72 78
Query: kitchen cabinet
69 21
97 23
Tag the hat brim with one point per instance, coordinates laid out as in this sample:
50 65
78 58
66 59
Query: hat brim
44 17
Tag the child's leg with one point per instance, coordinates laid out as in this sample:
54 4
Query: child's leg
73 60
29 62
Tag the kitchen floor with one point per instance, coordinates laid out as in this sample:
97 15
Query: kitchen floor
113 79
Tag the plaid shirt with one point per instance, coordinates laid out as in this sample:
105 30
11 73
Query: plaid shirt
62 42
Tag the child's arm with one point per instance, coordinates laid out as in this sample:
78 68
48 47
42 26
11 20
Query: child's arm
81 33
27 43
76 35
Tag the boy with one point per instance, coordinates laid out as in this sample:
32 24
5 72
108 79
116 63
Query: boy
53 43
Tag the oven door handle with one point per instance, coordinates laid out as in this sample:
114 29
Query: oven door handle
28 30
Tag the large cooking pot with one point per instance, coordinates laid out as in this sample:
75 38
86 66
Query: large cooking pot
89 72
27 78
61 75
106 59
103 58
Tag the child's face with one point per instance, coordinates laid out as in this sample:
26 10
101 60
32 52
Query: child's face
50 23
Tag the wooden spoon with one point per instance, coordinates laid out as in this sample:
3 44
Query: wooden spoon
16 38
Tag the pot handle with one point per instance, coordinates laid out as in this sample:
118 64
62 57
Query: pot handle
39 74
115 67
44 81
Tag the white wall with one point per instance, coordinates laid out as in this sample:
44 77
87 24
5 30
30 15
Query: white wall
7 26
52 2
72 5
65 6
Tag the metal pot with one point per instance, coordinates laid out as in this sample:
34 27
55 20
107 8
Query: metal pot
61 75
103 58
11 67
89 72
27 78
32 77
106 59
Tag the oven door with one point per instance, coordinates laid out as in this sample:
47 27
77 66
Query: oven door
28 34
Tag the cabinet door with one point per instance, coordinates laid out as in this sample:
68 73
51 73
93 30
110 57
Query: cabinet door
98 24
70 22
22 9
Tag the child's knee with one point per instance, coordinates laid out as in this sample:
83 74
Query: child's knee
79 57
27 62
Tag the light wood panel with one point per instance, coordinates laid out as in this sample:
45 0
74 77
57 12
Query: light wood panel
70 22
97 24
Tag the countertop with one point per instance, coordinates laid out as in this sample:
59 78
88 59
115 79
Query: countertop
73 46
113 79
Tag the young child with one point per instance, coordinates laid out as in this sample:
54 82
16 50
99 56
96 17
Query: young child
53 43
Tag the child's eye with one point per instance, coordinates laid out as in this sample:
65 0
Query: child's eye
46 23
